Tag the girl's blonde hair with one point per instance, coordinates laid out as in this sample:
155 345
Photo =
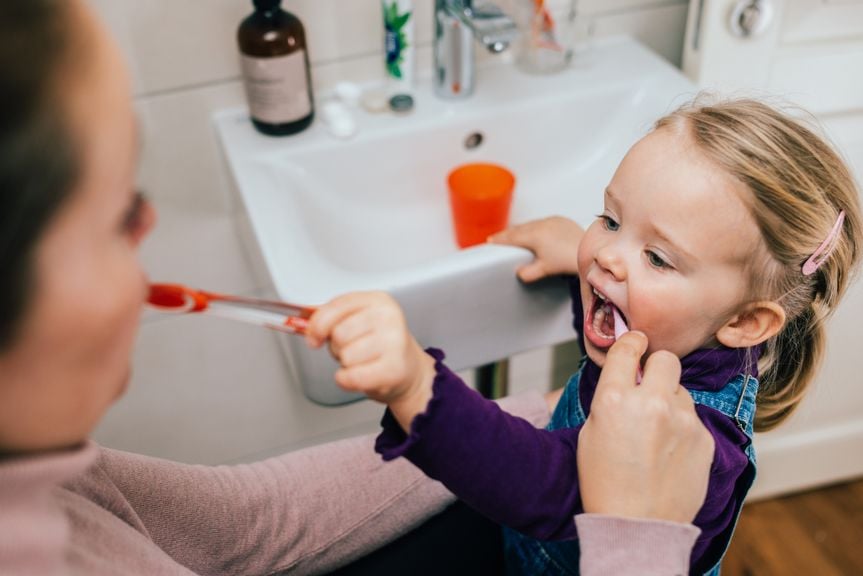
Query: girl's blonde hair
798 186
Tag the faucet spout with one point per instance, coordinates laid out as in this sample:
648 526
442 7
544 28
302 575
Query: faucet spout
457 23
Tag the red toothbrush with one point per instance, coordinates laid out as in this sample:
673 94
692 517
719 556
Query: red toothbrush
280 316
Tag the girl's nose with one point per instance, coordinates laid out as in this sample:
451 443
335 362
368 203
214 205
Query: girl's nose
609 260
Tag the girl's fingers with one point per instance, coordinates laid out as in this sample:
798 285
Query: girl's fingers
353 327
532 271
502 237
326 317
515 236
357 378
331 314
361 351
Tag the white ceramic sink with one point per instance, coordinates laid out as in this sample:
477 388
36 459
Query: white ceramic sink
331 216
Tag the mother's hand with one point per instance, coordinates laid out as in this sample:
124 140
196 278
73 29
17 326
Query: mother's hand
643 452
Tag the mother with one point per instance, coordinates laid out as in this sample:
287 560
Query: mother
70 298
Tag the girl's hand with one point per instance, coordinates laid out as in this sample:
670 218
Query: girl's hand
554 242
368 335
643 452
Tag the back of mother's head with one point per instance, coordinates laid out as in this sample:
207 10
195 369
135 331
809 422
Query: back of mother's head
37 157
71 224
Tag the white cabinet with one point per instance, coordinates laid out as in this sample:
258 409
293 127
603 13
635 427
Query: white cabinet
822 20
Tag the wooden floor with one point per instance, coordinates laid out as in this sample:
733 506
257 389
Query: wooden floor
818 533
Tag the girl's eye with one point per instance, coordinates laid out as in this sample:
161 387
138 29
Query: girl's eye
656 260
609 223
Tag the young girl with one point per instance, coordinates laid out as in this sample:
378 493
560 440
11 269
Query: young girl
729 234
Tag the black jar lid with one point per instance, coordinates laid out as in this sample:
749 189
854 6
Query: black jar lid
266 5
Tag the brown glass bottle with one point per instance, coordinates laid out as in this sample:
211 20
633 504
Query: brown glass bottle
275 64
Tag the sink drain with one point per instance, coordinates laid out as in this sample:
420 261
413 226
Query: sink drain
473 140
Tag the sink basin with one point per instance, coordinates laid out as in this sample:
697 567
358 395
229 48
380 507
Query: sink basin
329 216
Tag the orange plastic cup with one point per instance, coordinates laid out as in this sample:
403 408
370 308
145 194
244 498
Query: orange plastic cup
480 196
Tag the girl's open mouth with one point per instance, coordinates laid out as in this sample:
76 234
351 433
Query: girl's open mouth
599 323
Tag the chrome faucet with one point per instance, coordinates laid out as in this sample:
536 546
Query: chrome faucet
457 23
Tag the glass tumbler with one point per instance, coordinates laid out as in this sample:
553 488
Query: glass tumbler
551 32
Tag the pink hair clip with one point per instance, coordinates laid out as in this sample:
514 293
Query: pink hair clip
822 253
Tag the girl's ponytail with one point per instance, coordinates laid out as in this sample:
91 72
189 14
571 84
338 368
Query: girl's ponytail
791 360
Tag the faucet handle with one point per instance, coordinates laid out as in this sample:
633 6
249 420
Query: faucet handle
491 26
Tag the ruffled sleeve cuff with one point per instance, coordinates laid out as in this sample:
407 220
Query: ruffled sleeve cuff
636 546
393 442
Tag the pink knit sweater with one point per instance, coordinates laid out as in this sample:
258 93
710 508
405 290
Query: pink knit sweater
98 511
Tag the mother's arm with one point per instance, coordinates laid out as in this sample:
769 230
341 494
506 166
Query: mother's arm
308 511
643 472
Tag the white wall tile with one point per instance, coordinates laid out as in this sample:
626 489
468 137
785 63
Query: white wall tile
338 29
172 45
181 159
175 44
200 250
362 69
661 28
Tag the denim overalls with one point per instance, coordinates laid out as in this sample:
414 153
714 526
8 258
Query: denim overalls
529 557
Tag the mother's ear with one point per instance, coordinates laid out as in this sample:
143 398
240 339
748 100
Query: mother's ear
758 322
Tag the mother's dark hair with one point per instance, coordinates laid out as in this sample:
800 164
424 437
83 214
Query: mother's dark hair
38 167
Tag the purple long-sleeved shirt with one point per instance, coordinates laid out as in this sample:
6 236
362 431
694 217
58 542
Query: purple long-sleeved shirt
527 478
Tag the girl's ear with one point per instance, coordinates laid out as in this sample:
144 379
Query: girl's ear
758 322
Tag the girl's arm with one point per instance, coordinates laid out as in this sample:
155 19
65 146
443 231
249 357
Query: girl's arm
625 461
466 440
502 466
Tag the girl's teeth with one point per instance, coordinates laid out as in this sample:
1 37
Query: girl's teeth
599 319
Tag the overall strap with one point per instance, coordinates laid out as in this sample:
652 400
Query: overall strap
736 400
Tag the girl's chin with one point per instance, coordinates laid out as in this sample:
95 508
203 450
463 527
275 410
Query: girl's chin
596 355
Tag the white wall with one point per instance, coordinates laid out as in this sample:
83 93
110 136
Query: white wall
205 390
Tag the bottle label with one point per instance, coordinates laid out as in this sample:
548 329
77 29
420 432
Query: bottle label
277 88
397 39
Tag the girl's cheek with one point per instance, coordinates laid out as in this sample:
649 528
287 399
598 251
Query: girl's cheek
585 249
